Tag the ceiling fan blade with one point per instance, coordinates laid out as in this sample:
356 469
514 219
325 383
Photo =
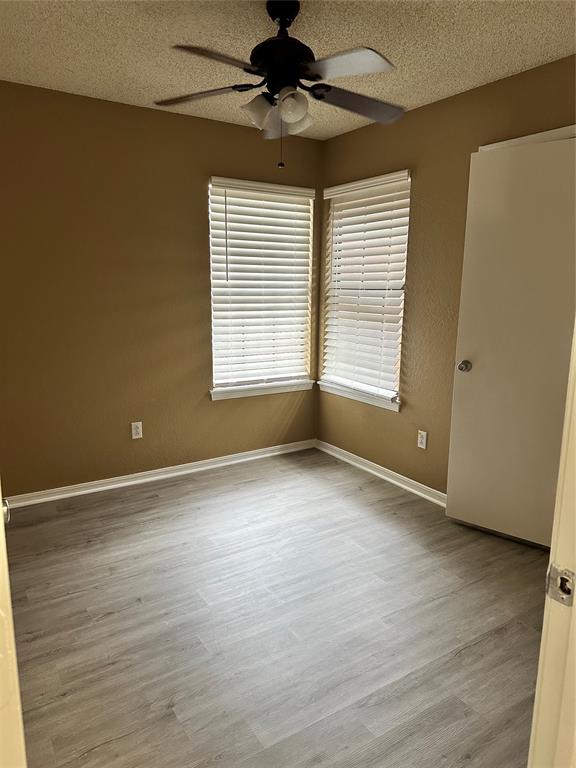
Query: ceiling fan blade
379 111
206 53
203 94
358 61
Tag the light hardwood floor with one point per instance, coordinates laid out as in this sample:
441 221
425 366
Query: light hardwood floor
291 612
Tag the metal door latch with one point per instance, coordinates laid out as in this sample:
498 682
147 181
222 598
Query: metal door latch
560 584
6 511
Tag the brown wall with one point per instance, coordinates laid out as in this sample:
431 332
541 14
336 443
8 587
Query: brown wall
106 294
435 143
105 279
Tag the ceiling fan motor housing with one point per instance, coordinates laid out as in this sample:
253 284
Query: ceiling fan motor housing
284 60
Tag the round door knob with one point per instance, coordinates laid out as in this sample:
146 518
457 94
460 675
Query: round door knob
464 366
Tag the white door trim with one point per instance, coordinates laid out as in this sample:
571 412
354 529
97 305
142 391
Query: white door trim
12 746
553 740
557 134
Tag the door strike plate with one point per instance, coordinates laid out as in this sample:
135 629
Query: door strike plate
560 584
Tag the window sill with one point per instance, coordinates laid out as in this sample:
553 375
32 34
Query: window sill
363 397
270 388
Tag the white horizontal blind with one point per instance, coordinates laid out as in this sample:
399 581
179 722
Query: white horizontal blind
364 298
261 256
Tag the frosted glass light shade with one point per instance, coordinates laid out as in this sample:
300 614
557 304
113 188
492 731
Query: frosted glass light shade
258 110
293 105
301 125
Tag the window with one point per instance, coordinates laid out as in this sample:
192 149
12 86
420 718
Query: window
364 297
261 259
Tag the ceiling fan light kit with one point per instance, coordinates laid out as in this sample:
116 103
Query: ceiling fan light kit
285 66
300 126
258 110
293 105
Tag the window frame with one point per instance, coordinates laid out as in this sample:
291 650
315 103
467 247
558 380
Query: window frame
226 391
360 392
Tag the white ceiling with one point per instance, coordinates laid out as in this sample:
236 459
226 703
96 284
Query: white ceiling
120 51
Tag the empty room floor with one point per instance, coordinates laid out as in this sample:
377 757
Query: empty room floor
288 612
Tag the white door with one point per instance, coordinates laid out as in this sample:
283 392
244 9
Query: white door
12 753
553 743
515 328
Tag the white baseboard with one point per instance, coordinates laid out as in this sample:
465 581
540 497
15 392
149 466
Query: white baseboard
165 473
436 497
55 494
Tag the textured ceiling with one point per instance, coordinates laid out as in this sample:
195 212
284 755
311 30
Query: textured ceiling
120 51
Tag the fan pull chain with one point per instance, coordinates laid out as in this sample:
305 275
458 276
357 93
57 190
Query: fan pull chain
281 164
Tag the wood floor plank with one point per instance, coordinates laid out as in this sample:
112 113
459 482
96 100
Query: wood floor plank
319 744
284 613
425 738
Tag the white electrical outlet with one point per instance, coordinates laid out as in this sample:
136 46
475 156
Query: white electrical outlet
136 430
422 439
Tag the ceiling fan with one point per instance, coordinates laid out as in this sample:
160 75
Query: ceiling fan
285 66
